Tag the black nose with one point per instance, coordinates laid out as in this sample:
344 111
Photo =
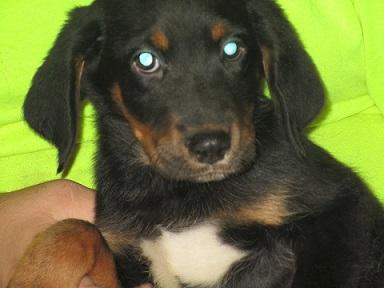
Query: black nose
209 147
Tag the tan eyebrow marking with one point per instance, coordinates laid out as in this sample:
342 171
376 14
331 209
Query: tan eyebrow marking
218 31
160 40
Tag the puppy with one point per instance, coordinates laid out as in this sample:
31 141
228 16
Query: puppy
202 181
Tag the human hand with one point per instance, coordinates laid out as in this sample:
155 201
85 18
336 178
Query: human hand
27 212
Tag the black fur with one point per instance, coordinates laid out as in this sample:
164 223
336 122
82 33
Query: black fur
333 235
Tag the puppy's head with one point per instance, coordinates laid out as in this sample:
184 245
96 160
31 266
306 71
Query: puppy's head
179 80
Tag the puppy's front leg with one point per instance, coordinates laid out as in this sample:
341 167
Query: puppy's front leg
267 268
62 255
132 272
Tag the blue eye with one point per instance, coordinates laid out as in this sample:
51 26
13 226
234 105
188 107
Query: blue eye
146 59
231 49
146 62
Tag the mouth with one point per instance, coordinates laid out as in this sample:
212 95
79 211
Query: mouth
210 176
179 168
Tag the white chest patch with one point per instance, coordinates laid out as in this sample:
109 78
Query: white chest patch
196 256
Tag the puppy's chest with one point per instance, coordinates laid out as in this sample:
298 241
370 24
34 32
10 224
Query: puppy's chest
196 256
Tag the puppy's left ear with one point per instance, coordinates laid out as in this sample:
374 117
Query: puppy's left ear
296 88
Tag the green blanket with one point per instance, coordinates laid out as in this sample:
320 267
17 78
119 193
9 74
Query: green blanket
345 38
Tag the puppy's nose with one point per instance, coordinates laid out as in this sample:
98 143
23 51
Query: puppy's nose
210 147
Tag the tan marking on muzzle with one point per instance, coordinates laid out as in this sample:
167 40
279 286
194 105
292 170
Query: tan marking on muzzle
173 139
142 132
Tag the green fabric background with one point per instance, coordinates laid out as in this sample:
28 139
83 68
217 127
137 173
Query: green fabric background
345 38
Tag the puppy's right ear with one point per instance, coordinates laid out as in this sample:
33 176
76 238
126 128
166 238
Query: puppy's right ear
52 103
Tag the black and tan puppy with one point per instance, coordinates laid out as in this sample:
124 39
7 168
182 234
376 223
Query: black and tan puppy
201 180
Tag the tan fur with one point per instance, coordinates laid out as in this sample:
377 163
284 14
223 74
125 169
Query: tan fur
270 210
218 31
152 141
142 132
160 40
70 247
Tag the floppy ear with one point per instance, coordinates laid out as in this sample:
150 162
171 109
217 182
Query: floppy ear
52 103
295 85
